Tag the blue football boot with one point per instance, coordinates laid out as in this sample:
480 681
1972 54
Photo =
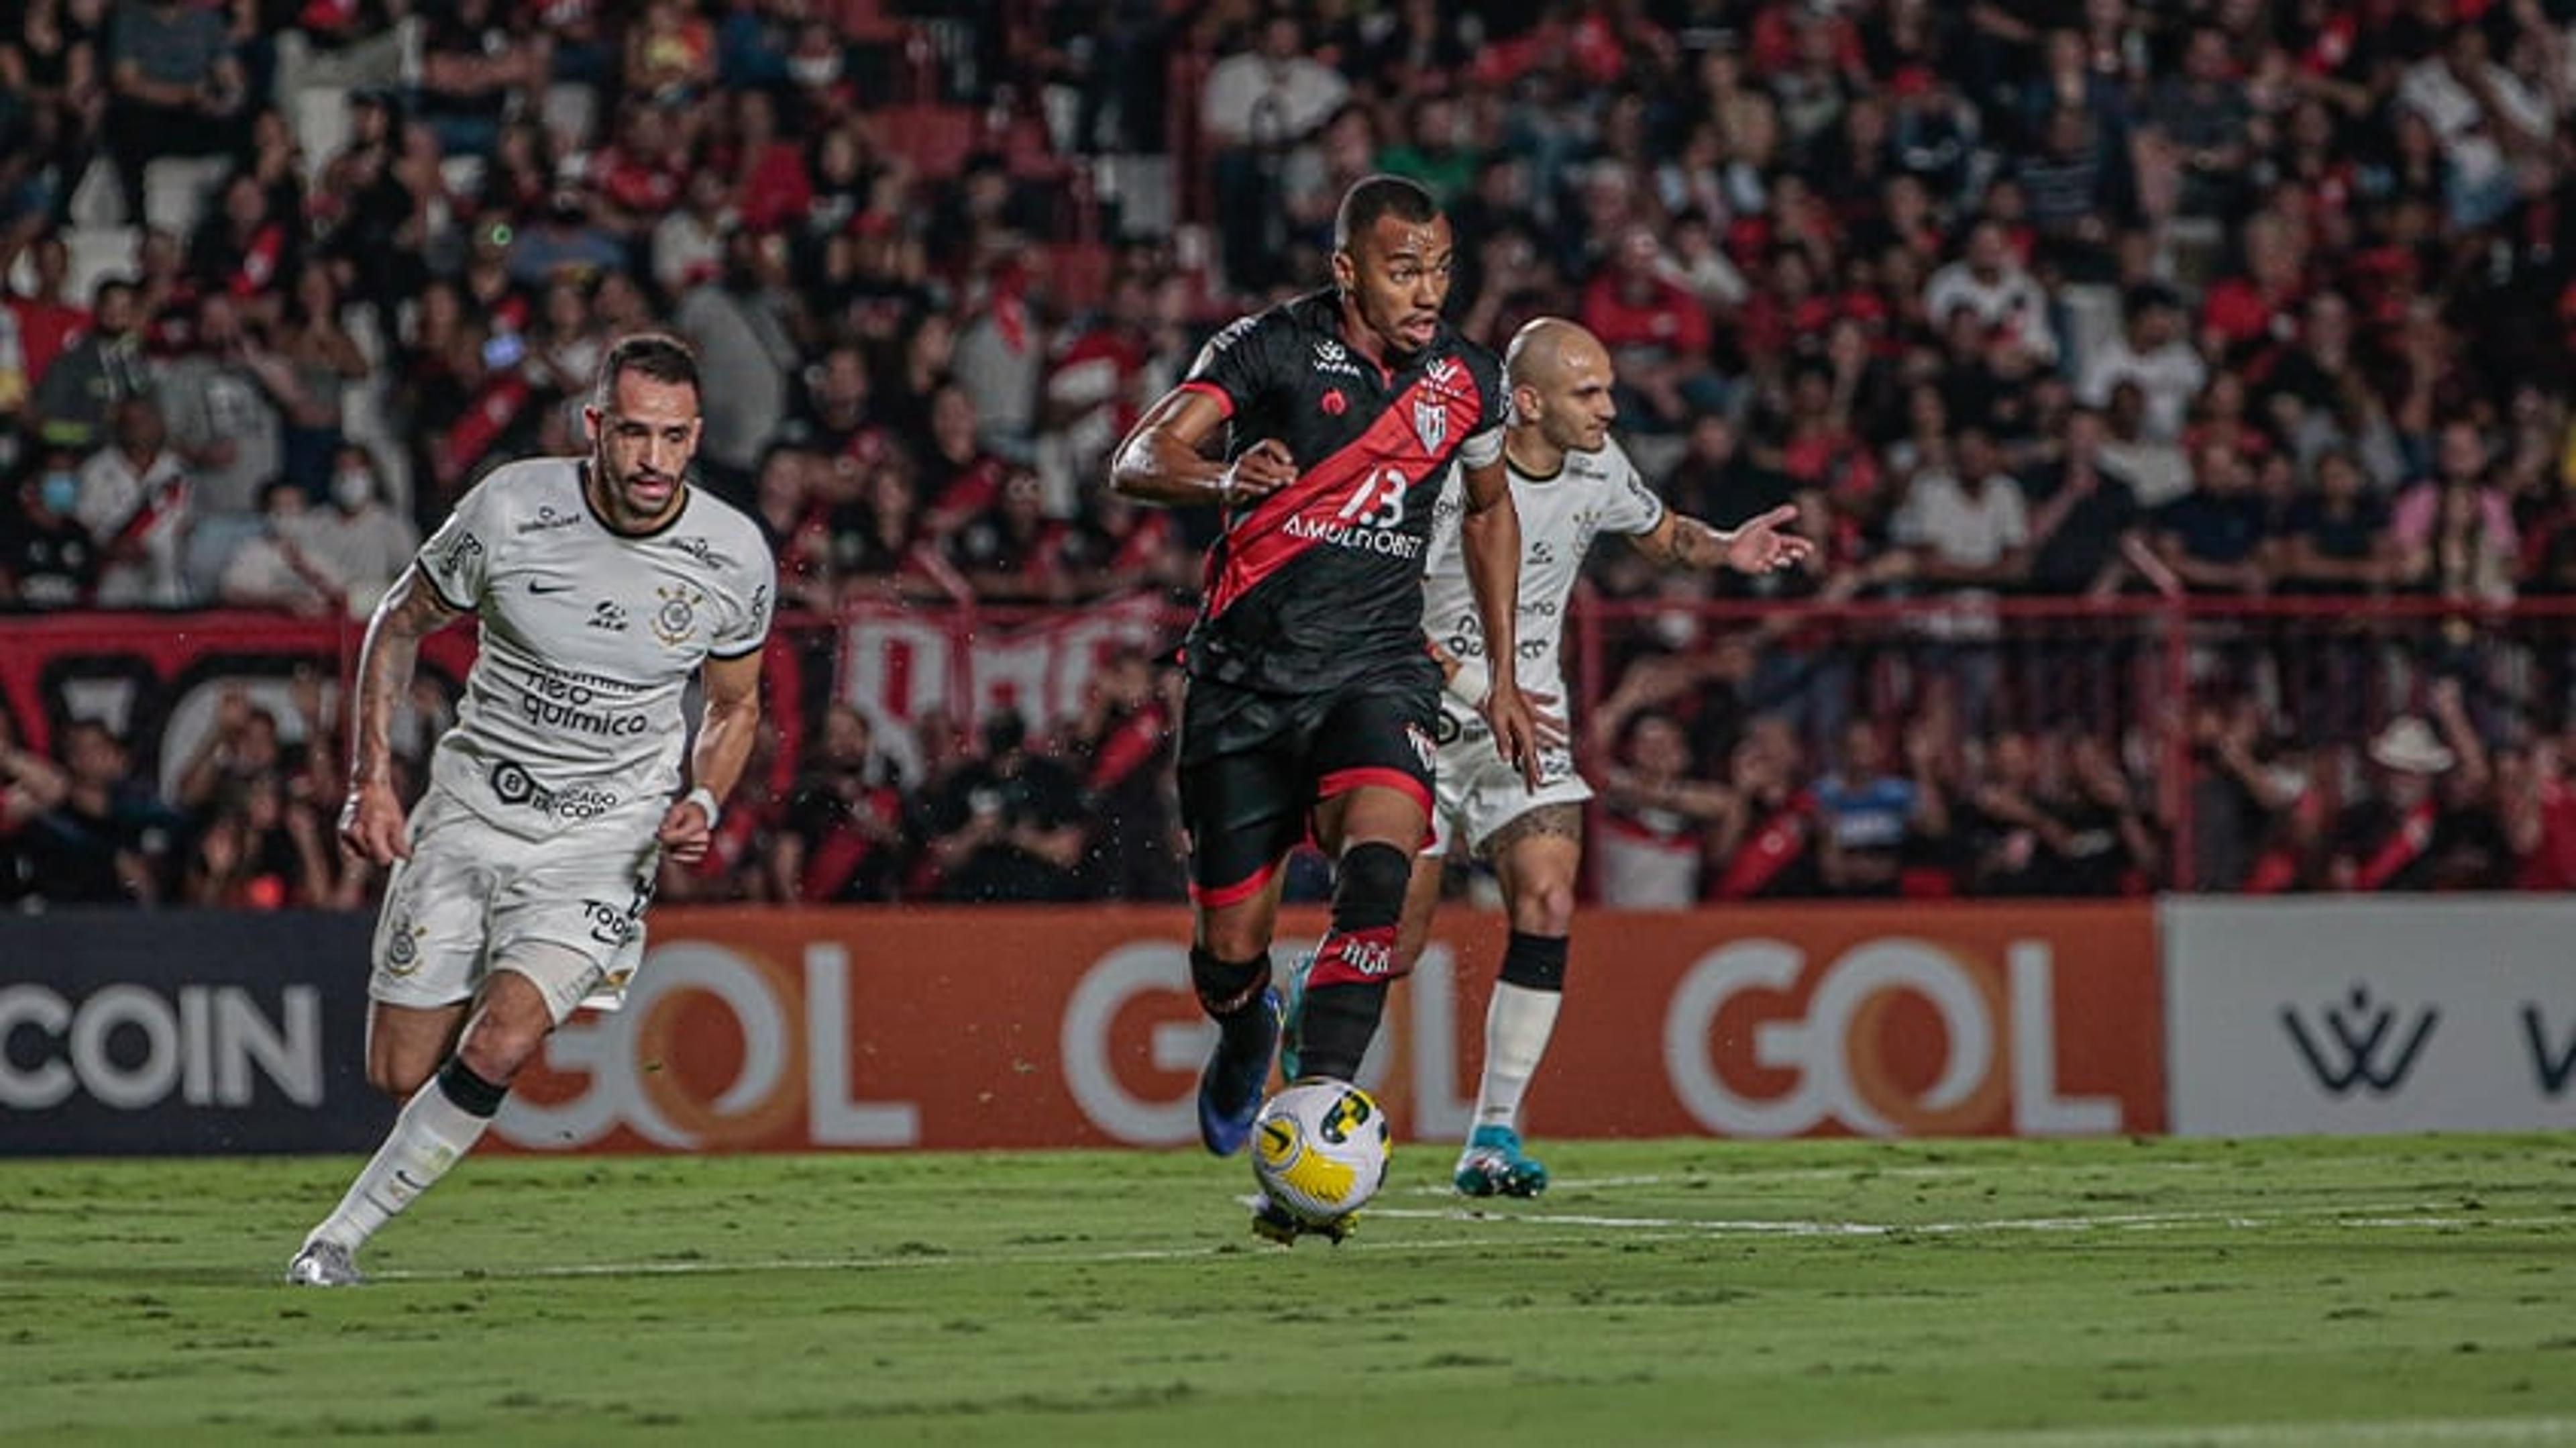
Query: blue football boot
1493 1165
1230 1087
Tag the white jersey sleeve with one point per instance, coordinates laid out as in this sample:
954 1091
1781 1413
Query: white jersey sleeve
1628 506
457 558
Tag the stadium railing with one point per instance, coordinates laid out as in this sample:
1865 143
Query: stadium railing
2143 675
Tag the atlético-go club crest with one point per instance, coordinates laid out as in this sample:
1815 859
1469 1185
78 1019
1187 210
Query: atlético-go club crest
1430 423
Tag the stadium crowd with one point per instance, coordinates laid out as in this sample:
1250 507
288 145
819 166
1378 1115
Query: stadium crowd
2245 298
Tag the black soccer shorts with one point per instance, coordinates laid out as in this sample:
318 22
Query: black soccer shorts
1253 767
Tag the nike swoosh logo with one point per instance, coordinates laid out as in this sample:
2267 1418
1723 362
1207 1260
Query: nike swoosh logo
543 587
404 1177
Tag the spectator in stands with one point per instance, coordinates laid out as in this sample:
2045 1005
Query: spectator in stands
1965 527
136 499
48 560
475 62
270 569
2152 352
843 840
2214 537
2454 531
2336 537
357 539
225 429
175 88
688 243
2085 520
260 850
2249 802
1871 822
31 786
1658 336
744 324
251 240
1762 843
1012 825
2483 117
111 839
47 320
1010 551
1254 106
794 518
1122 744
2424 826
1991 285
1654 814
102 367
2192 149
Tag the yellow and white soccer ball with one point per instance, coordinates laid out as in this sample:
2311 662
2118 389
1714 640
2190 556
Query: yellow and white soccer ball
1320 1150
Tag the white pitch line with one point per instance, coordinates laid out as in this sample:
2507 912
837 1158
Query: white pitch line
2536 1430
953 1259
1672 1229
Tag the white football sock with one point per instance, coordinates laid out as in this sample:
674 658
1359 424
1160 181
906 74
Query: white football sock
1517 1024
432 1133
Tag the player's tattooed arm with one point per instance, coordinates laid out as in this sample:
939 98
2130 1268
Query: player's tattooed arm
1165 459
1679 541
371 820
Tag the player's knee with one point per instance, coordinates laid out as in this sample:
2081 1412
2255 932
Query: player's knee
1545 908
506 1034
1371 884
396 1076
497 1052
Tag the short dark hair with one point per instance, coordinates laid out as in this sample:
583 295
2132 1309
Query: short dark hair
1378 196
658 355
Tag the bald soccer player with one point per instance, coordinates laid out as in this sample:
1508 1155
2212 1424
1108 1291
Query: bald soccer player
1570 482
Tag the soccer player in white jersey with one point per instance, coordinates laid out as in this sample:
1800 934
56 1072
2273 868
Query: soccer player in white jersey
1571 482
602 586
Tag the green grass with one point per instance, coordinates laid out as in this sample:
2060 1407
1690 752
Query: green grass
2372 1291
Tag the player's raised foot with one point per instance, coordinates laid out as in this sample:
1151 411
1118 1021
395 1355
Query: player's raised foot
1493 1165
1292 1017
1230 1086
324 1264
1272 1223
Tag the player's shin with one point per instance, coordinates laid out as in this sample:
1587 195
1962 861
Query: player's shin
439 1125
1346 990
1518 1022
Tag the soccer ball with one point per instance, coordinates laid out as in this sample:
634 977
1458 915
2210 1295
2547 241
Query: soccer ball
1319 1150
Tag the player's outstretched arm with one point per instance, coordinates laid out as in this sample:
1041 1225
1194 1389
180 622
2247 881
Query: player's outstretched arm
725 732
1164 460
371 820
1681 541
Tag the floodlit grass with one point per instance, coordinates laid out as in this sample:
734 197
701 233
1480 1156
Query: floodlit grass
2367 1291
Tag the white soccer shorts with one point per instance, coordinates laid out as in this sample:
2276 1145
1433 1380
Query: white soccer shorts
1477 791
471 893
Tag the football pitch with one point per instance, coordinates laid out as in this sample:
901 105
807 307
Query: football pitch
2374 1291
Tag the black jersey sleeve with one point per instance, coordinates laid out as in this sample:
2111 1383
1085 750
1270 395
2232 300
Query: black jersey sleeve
1238 365
1485 444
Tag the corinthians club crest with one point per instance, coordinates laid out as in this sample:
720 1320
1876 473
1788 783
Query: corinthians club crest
677 618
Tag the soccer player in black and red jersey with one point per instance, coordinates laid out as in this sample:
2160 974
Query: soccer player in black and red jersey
1311 699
